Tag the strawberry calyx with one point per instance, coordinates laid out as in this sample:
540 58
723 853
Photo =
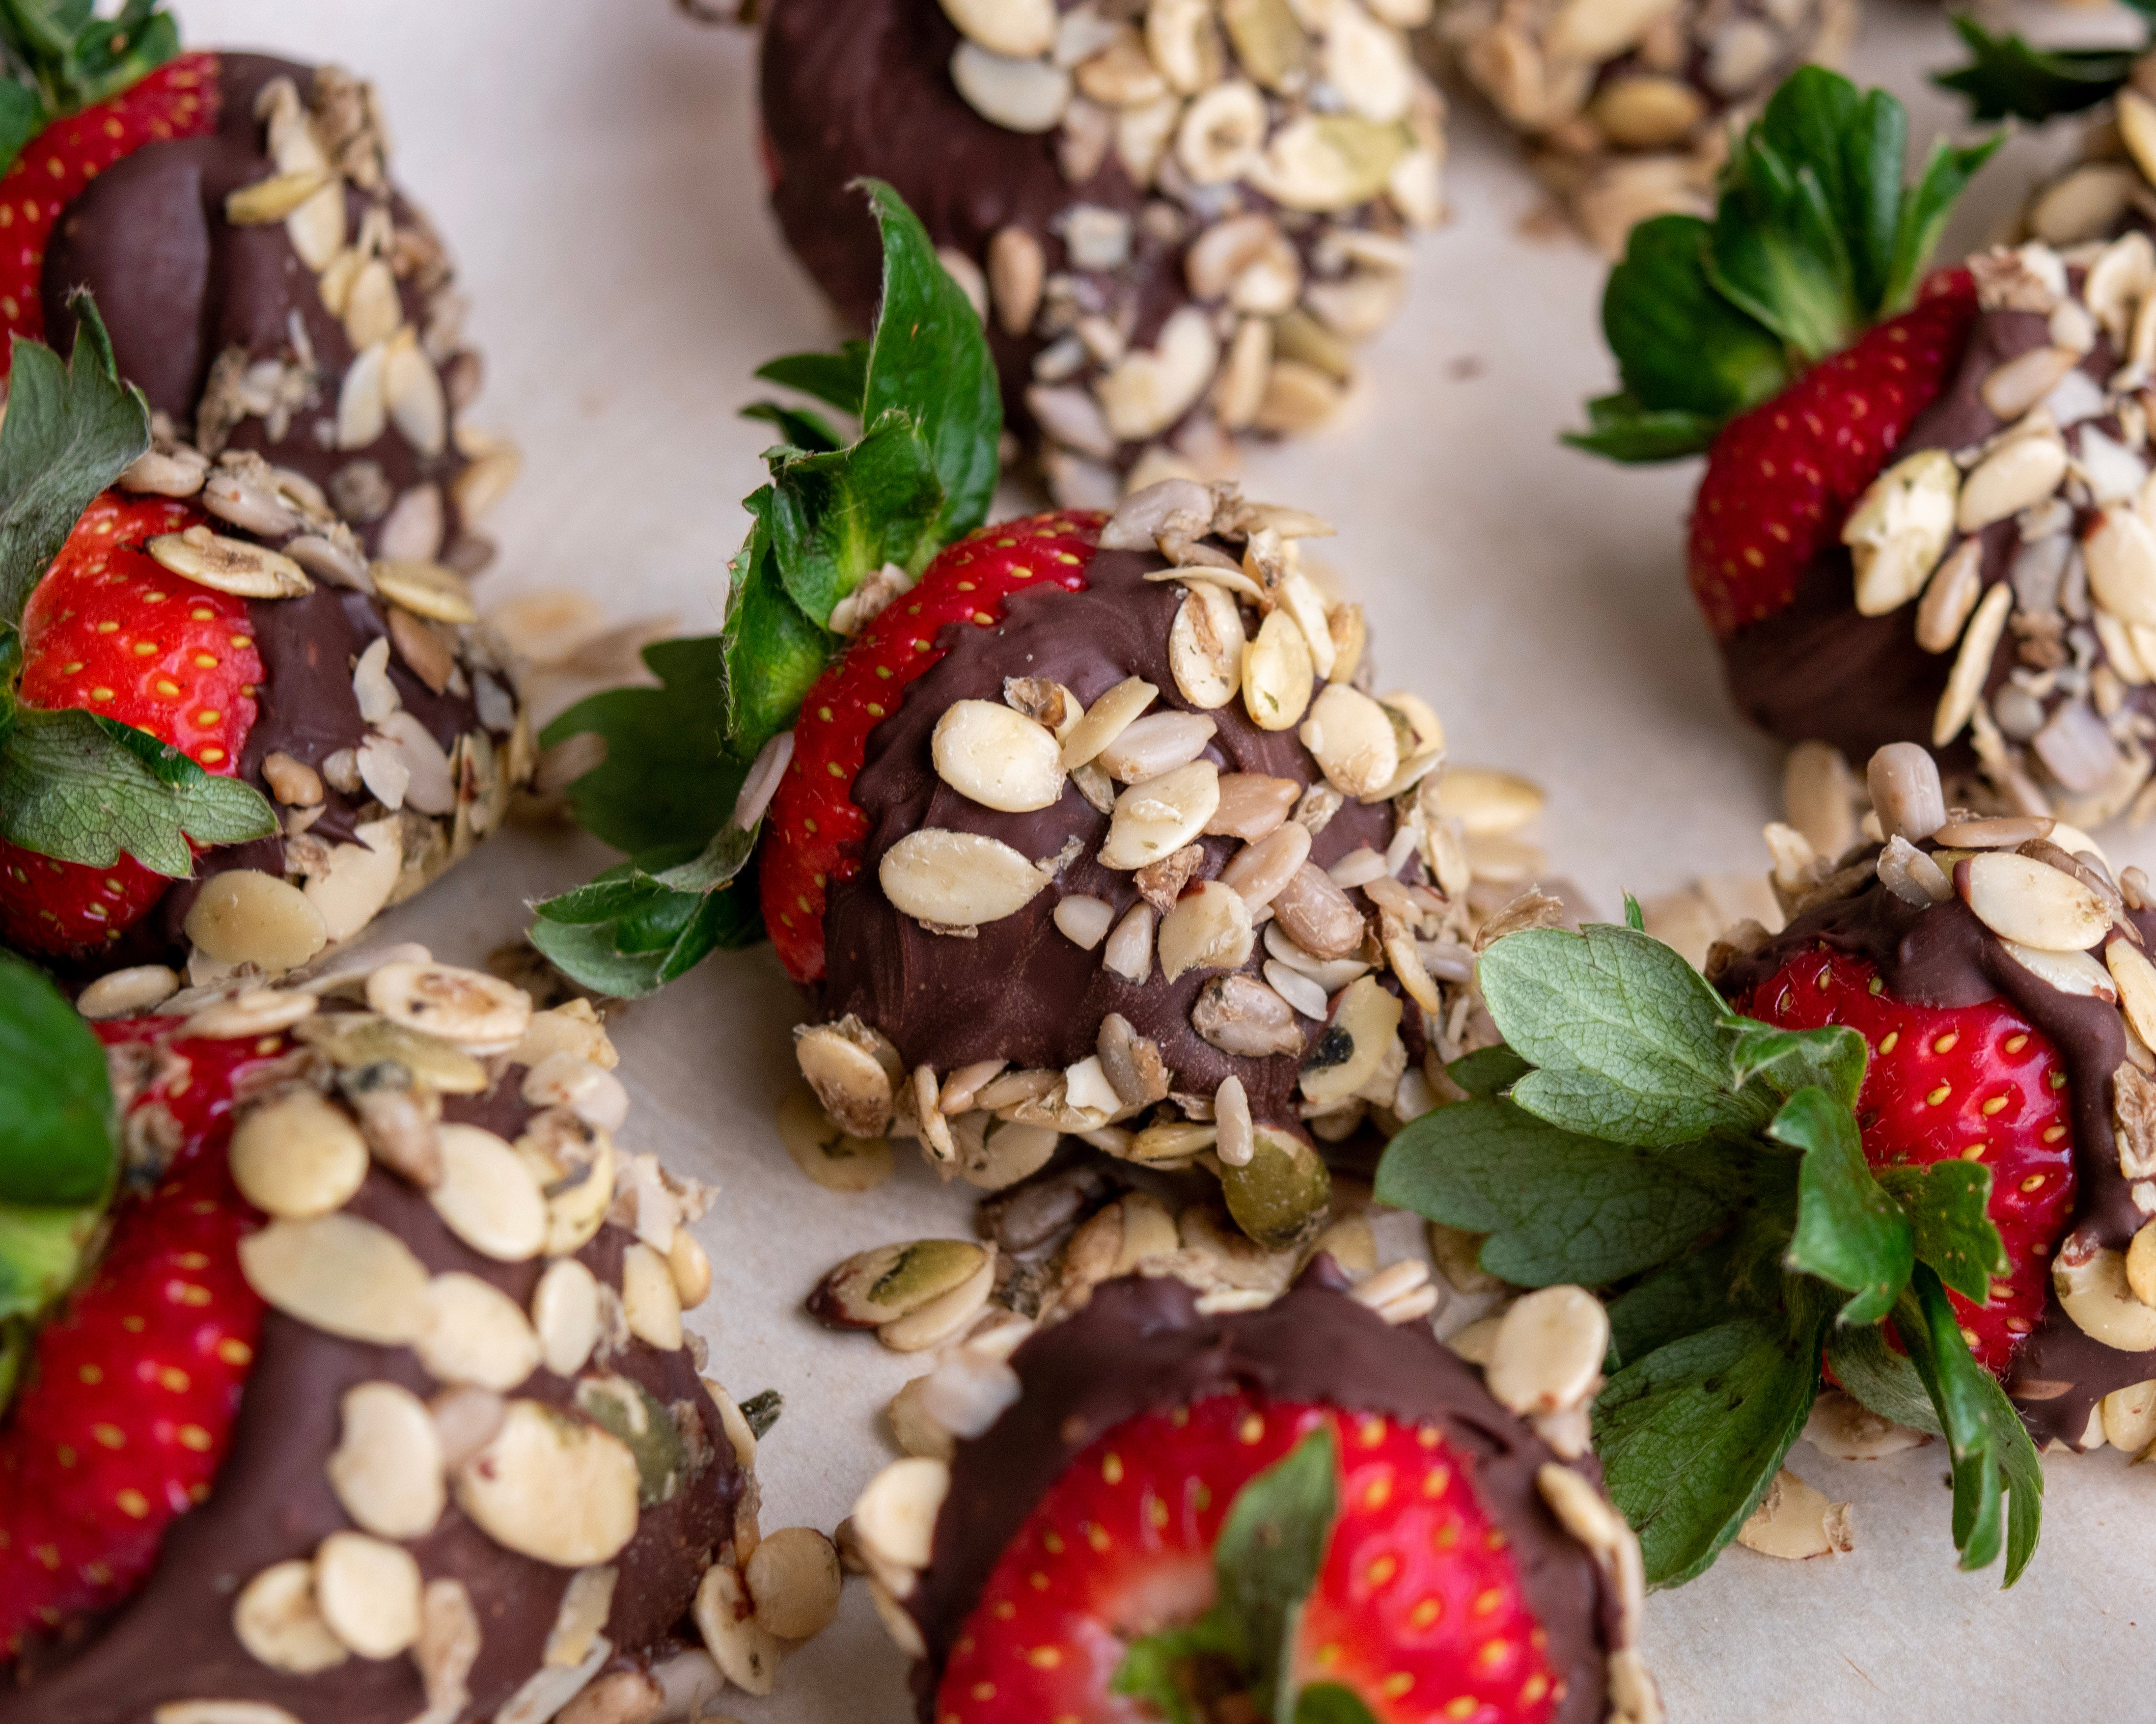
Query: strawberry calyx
1637 1133
842 527
2007 77
57 62
1814 239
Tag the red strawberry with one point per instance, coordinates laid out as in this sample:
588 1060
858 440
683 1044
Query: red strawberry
813 832
1418 1608
127 1410
1979 1082
108 630
179 99
1781 479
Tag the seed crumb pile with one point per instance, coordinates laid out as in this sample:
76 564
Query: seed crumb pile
1178 222
477 1472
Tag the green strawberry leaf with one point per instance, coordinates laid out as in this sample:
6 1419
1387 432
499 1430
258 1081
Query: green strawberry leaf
1833 1059
1331 1703
835 518
805 431
839 380
1558 1207
1737 1274
1270 1549
84 789
70 430
930 360
1488 1071
1680 345
1926 210
57 57
1882 1379
1948 1205
57 1146
1627 1035
666 783
2006 77
774 651
1850 1233
1814 238
1693 1435
630 931
1993 1456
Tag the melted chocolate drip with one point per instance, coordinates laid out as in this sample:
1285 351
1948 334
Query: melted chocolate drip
1140 1345
1941 955
173 1641
1022 991
178 285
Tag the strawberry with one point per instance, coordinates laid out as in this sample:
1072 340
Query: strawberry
128 1407
1417 1609
813 831
109 630
1781 479
1795 355
179 99
1979 1082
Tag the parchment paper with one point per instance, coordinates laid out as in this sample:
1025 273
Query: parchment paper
592 165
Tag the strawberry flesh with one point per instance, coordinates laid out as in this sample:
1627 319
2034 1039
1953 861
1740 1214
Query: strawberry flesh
1781 480
813 832
1979 1082
109 630
127 1410
1418 1608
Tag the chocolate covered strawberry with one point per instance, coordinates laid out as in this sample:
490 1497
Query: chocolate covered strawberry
226 737
1072 824
1297 1512
316 1401
1176 241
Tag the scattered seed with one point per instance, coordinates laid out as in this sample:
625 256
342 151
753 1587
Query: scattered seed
298 1156
1129 949
957 879
1547 1354
342 1274
1160 815
552 1487
2032 903
1083 921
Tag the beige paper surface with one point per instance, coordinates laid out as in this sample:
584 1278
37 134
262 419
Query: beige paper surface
593 166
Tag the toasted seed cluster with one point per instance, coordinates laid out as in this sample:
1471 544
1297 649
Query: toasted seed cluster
1305 963
2035 536
1542 1359
375 1051
1629 104
2048 893
1255 165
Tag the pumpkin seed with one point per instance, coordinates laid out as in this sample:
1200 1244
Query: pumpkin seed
957 879
276 1618
340 1275
552 1487
2032 903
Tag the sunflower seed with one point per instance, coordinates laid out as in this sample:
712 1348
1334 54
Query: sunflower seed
2013 477
1239 1014
1205 647
1950 597
488 1197
1107 719
1017 268
1129 951
340 1275
852 1068
426 589
1899 529
1277 674
1317 915
368 1591
1547 1354
996 758
298 1156
957 879
2090 1283
229 566
1083 921
276 1618
1019 29
1903 781
552 1487
1208 929
1971 666
1231 1112
2032 903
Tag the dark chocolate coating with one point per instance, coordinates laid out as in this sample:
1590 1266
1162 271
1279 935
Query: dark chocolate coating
177 284
1942 956
1022 991
1140 1345
173 1639
1817 670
